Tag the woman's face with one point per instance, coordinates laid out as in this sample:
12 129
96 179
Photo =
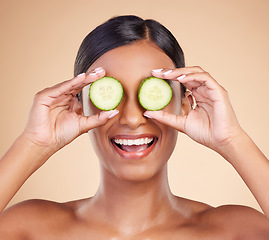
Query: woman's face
130 65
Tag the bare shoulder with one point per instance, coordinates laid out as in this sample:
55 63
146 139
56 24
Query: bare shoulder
241 221
224 222
192 208
21 220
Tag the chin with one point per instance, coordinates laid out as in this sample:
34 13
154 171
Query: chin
137 174
134 157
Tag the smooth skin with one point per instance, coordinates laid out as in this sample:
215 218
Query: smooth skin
134 200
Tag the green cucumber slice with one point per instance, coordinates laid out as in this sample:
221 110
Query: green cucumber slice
106 93
154 93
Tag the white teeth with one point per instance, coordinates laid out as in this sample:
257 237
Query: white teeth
129 142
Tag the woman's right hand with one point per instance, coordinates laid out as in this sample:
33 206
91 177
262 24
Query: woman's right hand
56 116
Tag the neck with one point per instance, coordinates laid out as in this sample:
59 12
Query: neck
134 206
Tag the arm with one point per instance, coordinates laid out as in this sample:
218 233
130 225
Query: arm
252 166
16 166
54 121
213 123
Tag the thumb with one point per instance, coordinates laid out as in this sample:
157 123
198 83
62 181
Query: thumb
172 120
89 122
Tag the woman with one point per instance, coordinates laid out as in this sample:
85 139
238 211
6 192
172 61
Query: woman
133 200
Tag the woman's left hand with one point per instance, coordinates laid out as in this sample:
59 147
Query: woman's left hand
213 122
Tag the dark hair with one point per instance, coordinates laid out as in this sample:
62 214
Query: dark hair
124 30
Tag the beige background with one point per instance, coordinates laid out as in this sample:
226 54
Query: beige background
39 41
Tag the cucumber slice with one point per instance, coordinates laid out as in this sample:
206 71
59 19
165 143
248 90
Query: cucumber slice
154 93
106 93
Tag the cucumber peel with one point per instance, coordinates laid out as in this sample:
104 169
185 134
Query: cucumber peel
106 93
154 94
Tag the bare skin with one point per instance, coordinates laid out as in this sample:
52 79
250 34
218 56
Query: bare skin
134 200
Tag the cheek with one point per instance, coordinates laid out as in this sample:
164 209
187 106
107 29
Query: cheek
169 141
93 134
99 144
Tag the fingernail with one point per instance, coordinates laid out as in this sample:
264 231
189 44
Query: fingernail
181 77
114 113
157 70
146 115
99 70
167 72
80 75
96 70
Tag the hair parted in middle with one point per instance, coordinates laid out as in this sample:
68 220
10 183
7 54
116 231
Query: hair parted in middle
124 30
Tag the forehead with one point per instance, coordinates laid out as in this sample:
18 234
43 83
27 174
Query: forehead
133 61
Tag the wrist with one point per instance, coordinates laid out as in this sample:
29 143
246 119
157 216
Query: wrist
35 154
236 144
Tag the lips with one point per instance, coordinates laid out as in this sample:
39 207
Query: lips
134 147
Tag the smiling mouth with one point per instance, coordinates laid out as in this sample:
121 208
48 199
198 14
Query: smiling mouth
134 145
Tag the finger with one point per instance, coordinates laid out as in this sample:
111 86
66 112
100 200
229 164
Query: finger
172 120
173 74
201 95
191 77
97 120
195 80
62 101
76 106
75 85
204 88
70 87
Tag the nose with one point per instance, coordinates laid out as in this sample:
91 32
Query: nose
131 113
